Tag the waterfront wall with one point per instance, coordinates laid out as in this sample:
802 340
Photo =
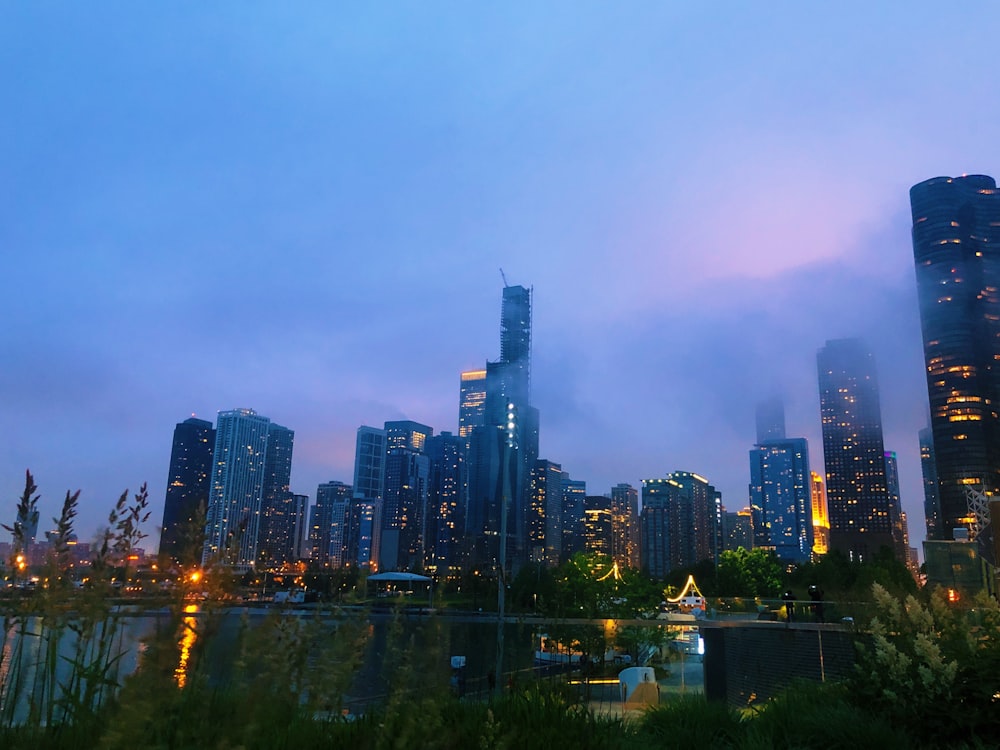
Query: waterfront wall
748 663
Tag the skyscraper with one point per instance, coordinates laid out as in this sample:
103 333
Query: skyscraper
188 485
956 249
853 450
899 535
681 522
625 512
820 518
404 501
276 545
365 533
500 476
573 517
928 470
329 525
547 495
598 526
472 401
240 474
446 499
780 498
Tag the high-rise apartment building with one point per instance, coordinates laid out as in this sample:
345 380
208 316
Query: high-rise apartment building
404 499
188 485
472 402
625 515
240 475
681 522
780 492
820 518
780 498
328 535
446 500
598 526
573 517
737 530
956 249
546 496
276 543
853 450
365 532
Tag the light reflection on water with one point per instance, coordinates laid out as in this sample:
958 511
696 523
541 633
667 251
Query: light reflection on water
190 628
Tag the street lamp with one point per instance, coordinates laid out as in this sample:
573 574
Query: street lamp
510 444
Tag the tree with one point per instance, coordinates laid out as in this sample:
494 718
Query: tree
742 572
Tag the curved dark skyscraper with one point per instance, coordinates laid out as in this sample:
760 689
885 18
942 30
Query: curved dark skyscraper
956 248
187 487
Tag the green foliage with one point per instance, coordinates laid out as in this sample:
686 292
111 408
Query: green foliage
749 573
842 579
932 667
820 717
690 721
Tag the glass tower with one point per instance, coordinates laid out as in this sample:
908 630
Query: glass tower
853 450
187 487
956 249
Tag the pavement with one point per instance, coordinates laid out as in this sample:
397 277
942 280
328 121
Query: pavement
605 700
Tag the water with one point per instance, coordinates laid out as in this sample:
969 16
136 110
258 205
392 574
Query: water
391 640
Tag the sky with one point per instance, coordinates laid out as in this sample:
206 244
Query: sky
304 209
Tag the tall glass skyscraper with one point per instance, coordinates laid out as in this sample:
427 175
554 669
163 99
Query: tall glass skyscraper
956 249
853 450
491 466
241 473
781 498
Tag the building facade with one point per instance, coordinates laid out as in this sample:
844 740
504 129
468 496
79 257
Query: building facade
233 518
854 454
188 483
781 498
956 249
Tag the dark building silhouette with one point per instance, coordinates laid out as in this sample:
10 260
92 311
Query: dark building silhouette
446 500
956 249
681 522
573 517
853 450
928 470
279 521
500 474
900 535
598 525
546 499
365 532
188 484
329 524
404 502
625 515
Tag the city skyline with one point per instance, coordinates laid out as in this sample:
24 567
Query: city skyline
307 216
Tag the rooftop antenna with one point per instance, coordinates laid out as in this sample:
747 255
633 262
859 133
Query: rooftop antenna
504 277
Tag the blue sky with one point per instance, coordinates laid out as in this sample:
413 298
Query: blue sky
303 209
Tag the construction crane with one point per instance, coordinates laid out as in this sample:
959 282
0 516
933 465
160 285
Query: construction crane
504 277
